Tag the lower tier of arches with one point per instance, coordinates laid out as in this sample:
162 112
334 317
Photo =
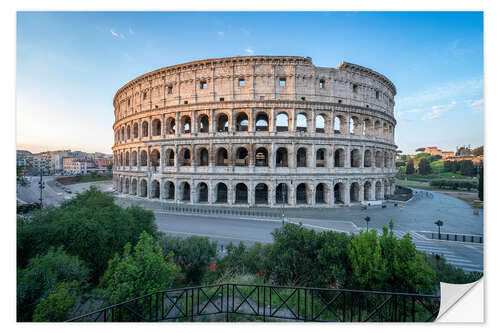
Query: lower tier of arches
258 192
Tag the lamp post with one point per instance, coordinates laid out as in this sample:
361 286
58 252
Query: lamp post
439 224
42 186
367 219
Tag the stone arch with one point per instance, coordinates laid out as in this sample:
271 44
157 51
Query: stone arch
134 158
241 193
128 132
377 128
378 159
339 193
127 159
144 158
185 191
321 194
320 123
222 195
203 124
170 157
385 133
339 158
321 158
203 157
367 127
302 157
170 125
354 126
222 123
145 129
242 122
222 157
186 124
355 158
387 160
202 192
368 158
261 157
241 157
367 190
282 157
136 130
282 193
301 194
387 190
185 157
155 189
169 190
378 191
262 122
134 186
261 194
339 125
155 158
282 122
354 192
123 133
144 188
156 127
301 124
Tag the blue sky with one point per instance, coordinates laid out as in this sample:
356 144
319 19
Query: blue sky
69 65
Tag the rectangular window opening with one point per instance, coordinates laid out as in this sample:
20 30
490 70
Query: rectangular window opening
377 95
282 82
321 84
221 99
303 98
185 102
241 82
203 84
170 89
355 88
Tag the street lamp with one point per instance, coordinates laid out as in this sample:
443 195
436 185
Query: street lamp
42 186
367 219
439 224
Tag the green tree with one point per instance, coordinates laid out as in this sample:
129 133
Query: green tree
410 168
109 166
42 277
478 151
480 185
467 168
90 226
20 178
424 167
138 272
58 304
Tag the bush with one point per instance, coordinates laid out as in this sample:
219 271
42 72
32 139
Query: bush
57 305
454 183
242 260
449 273
43 276
90 226
193 254
138 272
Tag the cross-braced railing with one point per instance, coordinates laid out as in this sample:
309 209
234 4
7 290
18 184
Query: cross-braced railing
234 302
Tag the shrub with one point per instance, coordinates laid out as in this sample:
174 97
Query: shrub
57 305
454 183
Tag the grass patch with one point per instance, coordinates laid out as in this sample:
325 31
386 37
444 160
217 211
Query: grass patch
94 178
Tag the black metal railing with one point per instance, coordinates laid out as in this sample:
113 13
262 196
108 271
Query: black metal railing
234 302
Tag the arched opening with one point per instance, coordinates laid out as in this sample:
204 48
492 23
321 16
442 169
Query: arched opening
221 193
282 193
377 128
128 132
302 157
144 188
378 190
241 122
282 122
222 123
367 191
355 158
320 124
386 190
222 159
145 129
301 194
170 190
202 192
301 123
203 157
367 127
241 193
354 126
155 158
261 194
282 158
387 160
144 158
241 157
185 157
170 126
378 159
320 158
386 135
134 187
203 124
338 125
262 122
136 130
185 191
134 158
127 159
123 133
170 158
354 192
339 158
127 185
368 158
156 127
338 193
261 157
186 124
155 189
321 194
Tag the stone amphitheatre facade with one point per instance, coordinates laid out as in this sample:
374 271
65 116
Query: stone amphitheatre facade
256 131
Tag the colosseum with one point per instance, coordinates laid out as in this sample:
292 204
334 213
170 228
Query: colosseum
256 131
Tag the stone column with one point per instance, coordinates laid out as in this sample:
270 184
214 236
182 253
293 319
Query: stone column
347 191
292 197
361 191
272 189
140 129
148 164
195 121
193 198
163 126
177 124
272 121
150 127
230 193
211 198
162 158
130 159
251 194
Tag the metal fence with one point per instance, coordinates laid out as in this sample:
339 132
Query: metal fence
248 212
454 237
241 302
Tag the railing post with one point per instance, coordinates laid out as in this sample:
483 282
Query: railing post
227 302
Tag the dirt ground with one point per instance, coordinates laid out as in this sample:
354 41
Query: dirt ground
470 198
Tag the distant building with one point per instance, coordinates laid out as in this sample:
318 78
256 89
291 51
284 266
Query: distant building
23 158
102 162
435 151
77 165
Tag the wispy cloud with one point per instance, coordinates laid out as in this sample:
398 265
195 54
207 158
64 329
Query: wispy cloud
478 105
438 110
249 50
116 34
220 33
130 31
